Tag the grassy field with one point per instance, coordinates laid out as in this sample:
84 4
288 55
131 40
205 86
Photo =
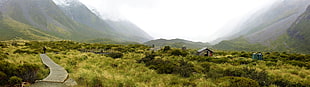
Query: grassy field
137 65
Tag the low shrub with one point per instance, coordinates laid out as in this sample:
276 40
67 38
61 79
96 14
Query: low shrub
25 51
239 81
115 55
3 78
219 60
206 67
181 68
260 76
14 80
178 52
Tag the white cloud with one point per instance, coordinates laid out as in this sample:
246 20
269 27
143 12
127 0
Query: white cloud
196 20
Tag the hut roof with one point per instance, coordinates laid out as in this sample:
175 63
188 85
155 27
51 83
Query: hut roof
203 49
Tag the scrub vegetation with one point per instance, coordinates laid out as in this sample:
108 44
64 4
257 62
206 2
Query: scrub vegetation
111 65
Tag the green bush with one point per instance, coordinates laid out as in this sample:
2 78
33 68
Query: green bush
181 68
25 51
28 72
287 83
3 78
239 81
206 67
298 63
199 58
219 60
96 82
260 76
166 48
115 55
15 80
178 52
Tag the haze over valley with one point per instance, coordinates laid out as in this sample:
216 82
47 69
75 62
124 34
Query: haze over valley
154 43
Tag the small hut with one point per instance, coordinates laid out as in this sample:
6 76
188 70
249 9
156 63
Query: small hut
205 52
257 56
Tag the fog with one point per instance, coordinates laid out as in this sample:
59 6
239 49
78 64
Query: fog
196 20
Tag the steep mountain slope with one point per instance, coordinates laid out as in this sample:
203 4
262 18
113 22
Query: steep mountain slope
299 32
119 29
268 28
44 20
275 19
128 30
177 43
45 16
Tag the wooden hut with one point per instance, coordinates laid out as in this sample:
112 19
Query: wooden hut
205 52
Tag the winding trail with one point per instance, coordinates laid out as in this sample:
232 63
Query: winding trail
58 76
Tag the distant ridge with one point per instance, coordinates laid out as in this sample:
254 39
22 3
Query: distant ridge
177 43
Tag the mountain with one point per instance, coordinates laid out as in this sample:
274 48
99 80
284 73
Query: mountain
177 43
268 28
45 20
299 32
123 29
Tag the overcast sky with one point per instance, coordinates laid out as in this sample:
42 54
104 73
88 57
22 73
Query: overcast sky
196 20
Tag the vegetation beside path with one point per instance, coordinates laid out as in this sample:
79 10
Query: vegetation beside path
137 65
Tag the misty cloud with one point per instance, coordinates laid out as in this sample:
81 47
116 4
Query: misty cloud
110 9
197 20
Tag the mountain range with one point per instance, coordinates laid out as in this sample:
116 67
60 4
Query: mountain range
177 43
281 27
46 20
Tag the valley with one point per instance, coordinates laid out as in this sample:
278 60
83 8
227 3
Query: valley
86 48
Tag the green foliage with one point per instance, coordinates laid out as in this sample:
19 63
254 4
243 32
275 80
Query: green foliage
182 67
139 66
206 67
166 48
3 78
21 51
260 76
15 80
178 52
239 82
27 72
115 55
287 83
218 60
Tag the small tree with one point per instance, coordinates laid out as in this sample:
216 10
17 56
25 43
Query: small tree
166 48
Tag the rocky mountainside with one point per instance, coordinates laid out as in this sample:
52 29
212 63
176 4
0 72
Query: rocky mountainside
299 32
120 29
45 20
268 29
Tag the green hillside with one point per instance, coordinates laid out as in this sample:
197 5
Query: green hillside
14 30
240 44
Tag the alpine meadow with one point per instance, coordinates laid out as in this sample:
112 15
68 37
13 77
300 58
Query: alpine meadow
154 43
